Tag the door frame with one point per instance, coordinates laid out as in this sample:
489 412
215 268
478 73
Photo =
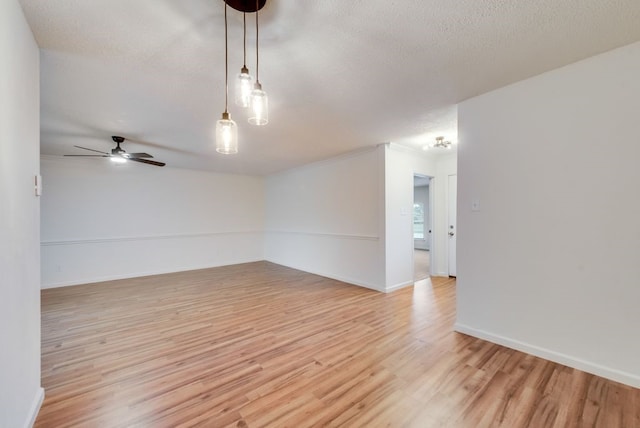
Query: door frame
428 227
452 227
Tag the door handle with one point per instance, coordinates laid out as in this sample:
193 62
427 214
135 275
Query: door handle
451 233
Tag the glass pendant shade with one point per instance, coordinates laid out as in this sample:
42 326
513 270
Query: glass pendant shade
244 84
259 106
226 135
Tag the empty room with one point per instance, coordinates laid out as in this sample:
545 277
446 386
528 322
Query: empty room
277 213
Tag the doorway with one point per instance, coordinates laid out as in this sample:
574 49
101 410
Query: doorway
422 221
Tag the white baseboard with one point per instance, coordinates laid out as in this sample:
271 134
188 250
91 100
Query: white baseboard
329 275
140 274
557 357
184 269
35 408
398 286
440 274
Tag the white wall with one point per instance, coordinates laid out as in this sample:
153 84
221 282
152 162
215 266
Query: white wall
542 268
421 195
102 221
325 218
20 392
335 218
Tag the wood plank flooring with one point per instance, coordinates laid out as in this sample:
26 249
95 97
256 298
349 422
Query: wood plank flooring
260 345
421 264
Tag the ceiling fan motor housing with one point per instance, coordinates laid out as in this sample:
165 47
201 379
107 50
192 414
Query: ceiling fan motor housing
117 150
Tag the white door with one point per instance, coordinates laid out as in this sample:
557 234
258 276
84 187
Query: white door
451 227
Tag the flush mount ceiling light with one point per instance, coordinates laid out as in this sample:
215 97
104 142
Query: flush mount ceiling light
438 144
226 129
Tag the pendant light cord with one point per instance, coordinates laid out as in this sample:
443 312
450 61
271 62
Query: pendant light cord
226 62
257 38
244 39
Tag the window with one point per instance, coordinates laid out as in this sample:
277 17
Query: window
418 221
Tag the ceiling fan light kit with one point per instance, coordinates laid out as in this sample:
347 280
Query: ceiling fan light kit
119 155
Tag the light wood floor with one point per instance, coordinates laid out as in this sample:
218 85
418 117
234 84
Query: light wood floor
421 264
260 345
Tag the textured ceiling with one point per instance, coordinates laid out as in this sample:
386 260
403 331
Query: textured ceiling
340 75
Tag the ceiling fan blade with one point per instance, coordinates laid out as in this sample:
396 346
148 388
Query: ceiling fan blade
97 151
90 156
138 155
150 162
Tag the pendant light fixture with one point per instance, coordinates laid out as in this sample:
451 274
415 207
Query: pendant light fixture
226 129
259 102
244 81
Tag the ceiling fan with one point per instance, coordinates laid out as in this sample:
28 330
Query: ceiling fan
119 155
